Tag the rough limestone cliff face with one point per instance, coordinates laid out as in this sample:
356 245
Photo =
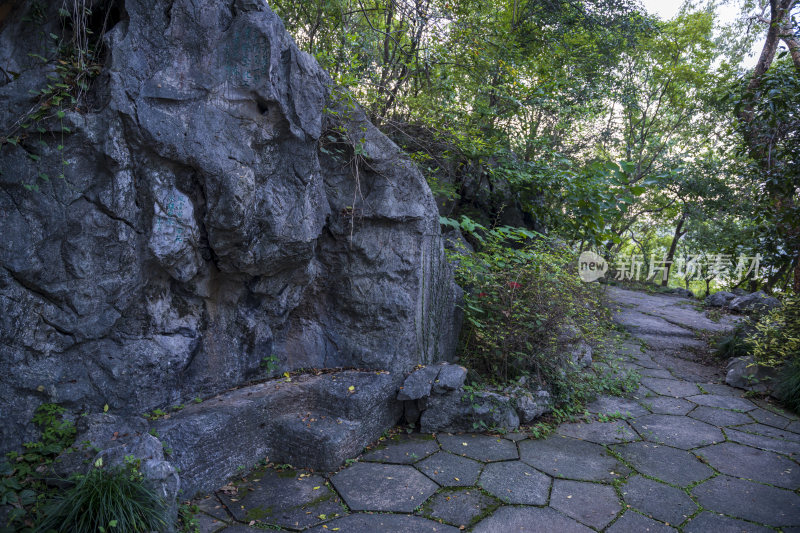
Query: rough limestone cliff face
201 224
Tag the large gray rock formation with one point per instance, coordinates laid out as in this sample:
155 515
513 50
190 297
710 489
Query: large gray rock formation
217 208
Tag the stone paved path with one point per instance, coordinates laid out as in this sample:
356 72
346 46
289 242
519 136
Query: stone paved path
685 452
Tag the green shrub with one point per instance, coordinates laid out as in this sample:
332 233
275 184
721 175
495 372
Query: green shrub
520 291
105 500
22 475
777 337
787 388
776 343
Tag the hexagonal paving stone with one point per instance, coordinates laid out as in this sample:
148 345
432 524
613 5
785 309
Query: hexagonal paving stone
565 457
515 482
722 402
719 417
381 487
664 405
403 449
589 503
607 405
450 470
707 522
656 373
769 418
657 500
633 522
720 389
284 499
529 520
671 387
484 448
769 431
794 427
749 500
679 431
459 507
374 523
599 432
673 466
765 443
750 463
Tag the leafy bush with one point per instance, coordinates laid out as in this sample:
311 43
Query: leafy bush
777 339
776 342
22 476
521 290
106 500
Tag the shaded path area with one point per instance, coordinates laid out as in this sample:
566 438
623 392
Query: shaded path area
685 452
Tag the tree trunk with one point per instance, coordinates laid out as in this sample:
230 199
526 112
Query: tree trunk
671 253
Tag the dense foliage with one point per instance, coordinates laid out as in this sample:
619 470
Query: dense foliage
590 120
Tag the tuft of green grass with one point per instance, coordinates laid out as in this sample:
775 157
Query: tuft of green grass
103 501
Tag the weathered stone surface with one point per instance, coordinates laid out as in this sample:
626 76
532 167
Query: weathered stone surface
722 402
372 523
719 299
588 503
283 499
749 500
456 412
529 520
745 373
378 487
769 431
707 522
750 463
633 522
671 387
212 506
581 354
681 292
451 377
757 301
199 227
459 507
657 500
515 482
403 449
450 470
530 408
673 466
770 418
600 432
720 389
208 524
418 384
484 448
312 421
790 448
664 405
607 405
565 457
678 431
719 417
